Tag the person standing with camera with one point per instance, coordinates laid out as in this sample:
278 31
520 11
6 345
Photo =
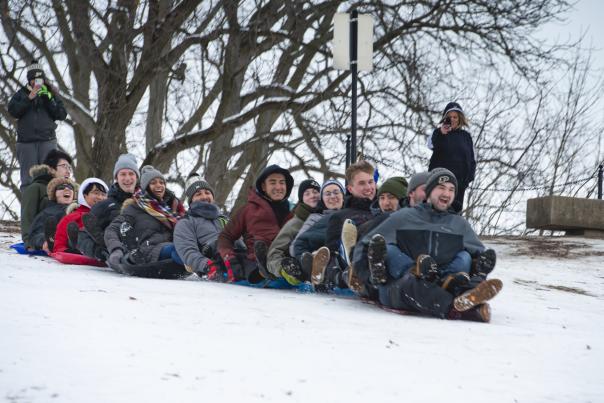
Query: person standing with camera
453 149
36 108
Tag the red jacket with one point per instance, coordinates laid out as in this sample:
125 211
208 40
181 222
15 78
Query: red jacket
61 240
255 221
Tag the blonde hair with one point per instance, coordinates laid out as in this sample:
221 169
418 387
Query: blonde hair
359 166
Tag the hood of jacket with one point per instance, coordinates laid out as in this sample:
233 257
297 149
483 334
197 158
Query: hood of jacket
275 169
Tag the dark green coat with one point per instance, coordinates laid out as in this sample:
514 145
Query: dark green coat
35 197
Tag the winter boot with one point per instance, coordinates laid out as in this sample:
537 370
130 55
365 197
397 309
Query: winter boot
456 283
91 226
306 265
348 240
478 295
425 268
483 265
50 229
354 283
261 252
72 235
376 257
479 313
319 264
291 271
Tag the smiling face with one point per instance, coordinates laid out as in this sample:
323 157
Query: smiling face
333 198
362 185
388 202
63 169
157 187
442 196
94 196
202 195
275 187
311 197
64 194
126 180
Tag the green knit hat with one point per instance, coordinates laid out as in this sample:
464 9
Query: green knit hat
397 185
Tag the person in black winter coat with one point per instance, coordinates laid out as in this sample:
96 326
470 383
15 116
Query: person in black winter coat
36 107
126 175
452 148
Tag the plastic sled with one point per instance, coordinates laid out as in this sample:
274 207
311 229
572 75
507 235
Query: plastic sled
164 269
20 248
309 288
74 258
277 284
385 308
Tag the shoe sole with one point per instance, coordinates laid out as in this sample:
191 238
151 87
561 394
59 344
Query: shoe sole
319 263
377 270
416 269
353 281
349 238
478 295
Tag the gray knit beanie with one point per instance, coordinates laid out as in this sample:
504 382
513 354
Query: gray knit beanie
194 183
438 176
148 173
417 180
126 161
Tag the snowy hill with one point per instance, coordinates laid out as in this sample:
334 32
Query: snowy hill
81 334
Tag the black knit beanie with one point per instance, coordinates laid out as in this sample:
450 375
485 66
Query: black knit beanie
307 184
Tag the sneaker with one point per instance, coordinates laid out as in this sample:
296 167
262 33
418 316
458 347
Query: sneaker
456 282
485 263
319 263
72 235
425 268
376 257
291 271
479 313
50 229
349 239
91 226
478 295
306 265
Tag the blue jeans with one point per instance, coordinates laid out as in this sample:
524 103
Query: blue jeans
169 252
399 263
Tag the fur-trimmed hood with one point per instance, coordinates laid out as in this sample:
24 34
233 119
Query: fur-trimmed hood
72 207
42 169
52 187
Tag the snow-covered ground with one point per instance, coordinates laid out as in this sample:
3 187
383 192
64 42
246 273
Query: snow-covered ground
81 334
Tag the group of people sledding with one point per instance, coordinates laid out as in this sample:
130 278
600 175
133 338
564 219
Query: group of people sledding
400 246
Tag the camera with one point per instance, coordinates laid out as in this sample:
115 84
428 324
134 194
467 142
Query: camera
447 121
39 82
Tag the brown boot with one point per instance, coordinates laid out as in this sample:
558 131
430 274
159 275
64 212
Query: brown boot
353 281
478 295
425 268
479 313
319 263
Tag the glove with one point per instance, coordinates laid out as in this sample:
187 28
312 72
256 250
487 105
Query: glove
115 258
44 91
234 270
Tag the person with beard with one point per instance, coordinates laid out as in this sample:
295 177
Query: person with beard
279 261
258 222
143 232
196 234
420 258
61 192
57 164
91 239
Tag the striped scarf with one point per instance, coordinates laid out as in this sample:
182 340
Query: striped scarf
160 211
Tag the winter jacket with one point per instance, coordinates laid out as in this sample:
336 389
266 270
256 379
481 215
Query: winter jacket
74 212
356 209
312 234
279 248
151 234
36 236
36 117
199 227
254 221
455 152
423 230
108 209
35 197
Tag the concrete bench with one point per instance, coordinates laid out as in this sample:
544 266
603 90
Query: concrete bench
574 215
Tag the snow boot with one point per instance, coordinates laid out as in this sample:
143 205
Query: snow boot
425 268
483 265
479 313
456 283
291 271
91 226
477 295
261 252
348 240
72 235
306 265
319 264
354 283
50 229
376 257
